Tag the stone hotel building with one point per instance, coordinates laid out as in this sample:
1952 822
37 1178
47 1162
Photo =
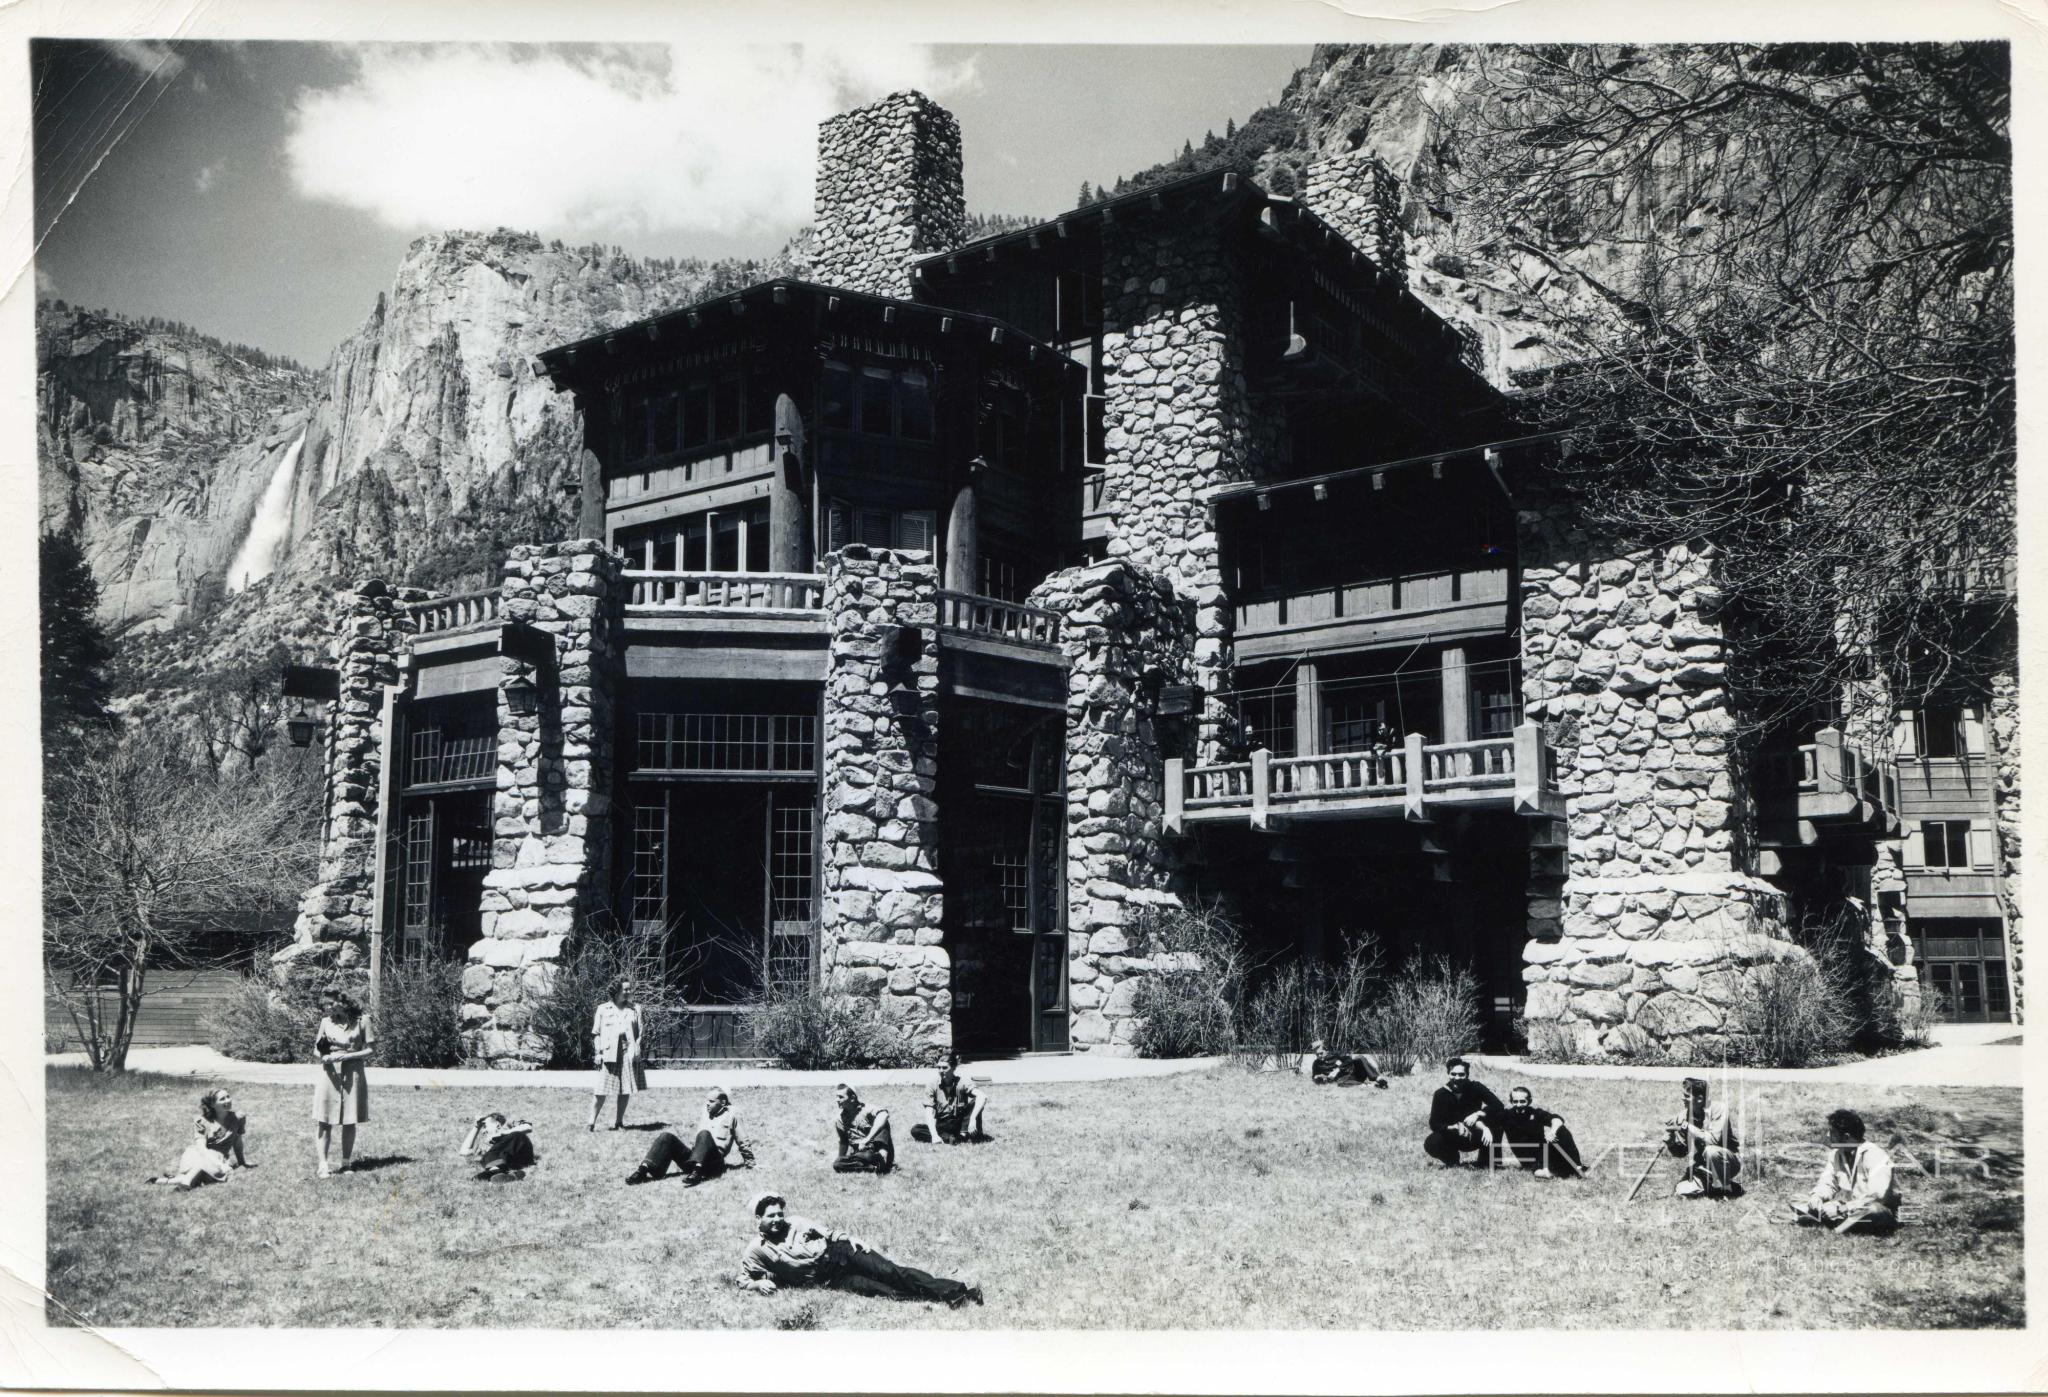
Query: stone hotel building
938 614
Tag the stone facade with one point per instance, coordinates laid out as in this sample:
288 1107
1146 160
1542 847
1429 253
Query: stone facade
551 817
2002 744
889 191
333 928
1124 632
1177 418
879 924
1357 194
1642 943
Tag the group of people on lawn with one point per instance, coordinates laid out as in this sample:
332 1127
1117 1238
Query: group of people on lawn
1856 1190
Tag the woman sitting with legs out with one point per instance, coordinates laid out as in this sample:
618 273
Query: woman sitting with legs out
341 1095
216 1147
503 1149
709 1152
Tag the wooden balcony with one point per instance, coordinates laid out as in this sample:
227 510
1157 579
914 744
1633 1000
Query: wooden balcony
1825 789
457 613
725 625
1410 782
1001 651
967 614
1342 616
789 592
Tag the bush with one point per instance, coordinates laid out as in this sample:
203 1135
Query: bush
1306 1001
812 1028
584 976
1789 1014
1429 1013
1187 1005
419 1014
265 1022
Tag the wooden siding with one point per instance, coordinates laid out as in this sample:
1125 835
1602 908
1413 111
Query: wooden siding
172 1007
1943 788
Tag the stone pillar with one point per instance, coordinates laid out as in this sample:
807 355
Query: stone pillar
889 191
963 535
1357 194
332 933
551 817
1655 924
2002 752
1123 632
879 928
1177 418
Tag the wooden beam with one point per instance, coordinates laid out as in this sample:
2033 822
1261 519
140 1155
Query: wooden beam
1176 794
1457 695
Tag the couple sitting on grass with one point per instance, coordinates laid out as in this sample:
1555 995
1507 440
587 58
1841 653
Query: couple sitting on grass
953 1114
216 1148
1465 1117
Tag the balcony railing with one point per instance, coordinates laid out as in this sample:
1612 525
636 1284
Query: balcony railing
1382 596
1514 771
726 591
1834 786
1002 620
454 613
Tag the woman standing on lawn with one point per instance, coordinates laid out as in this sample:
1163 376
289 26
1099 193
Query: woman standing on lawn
615 1048
217 1148
342 1094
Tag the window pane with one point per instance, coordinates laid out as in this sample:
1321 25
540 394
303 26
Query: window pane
725 415
661 423
665 553
633 435
1996 999
1940 730
914 529
696 415
835 390
725 543
875 400
914 400
760 404
693 545
757 540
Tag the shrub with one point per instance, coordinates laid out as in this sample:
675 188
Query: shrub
419 1009
1187 1005
812 1028
265 1022
1789 1014
1304 1001
1429 1013
582 977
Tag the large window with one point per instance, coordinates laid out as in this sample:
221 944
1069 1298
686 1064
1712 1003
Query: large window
880 528
718 406
1945 843
877 400
733 539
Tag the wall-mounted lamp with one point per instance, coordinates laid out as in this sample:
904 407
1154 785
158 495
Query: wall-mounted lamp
301 726
308 684
522 699
533 650
899 669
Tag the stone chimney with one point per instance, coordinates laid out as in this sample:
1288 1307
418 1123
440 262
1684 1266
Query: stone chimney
1357 194
888 192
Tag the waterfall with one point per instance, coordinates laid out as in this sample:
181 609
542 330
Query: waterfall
271 522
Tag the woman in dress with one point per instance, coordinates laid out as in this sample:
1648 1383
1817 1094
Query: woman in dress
216 1148
615 1048
341 1096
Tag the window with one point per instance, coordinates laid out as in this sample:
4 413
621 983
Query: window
1939 732
877 401
1496 699
1268 718
914 405
880 528
1945 843
696 415
835 395
733 539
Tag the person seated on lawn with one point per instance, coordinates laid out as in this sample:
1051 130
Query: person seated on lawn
709 1152
1538 1139
792 1251
1856 1191
216 1146
503 1149
1343 1069
1716 1154
865 1145
1463 1116
953 1110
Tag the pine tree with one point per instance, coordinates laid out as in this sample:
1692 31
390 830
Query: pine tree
75 649
1086 196
1229 128
1187 148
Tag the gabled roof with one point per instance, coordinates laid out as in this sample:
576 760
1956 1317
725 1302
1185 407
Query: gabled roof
582 359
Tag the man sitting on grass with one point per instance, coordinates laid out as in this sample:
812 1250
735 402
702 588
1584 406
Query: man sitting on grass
865 1145
709 1152
1538 1139
1463 1117
796 1251
1343 1069
1856 1192
1716 1155
952 1113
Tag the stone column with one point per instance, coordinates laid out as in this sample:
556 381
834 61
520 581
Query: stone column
2002 752
1177 417
879 928
1655 925
551 847
1123 632
332 933
1357 194
889 191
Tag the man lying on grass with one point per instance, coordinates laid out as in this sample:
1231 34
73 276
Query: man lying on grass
794 1251
1342 1069
1538 1139
865 1144
1463 1116
1856 1191
502 1148
709 1152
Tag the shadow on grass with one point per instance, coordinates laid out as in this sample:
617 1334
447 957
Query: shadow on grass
646 1125
370 1164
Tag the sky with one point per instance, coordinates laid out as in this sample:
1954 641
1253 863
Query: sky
265 192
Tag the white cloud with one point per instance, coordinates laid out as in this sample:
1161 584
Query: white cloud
46 286
207 175
618 142
147 57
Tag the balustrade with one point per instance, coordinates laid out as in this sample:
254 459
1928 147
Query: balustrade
454 613
1002 620
734 591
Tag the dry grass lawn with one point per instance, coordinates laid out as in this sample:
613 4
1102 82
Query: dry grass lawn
1218 1200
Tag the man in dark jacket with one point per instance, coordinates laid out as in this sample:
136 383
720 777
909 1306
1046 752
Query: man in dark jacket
795 1251
1538 1139
1463 1116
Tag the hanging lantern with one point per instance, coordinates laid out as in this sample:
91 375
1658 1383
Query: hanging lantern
522 699
301 726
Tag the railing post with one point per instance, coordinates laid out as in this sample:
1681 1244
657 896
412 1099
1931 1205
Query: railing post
1176 794
1262 788
1828 769
1528 760
1413 804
